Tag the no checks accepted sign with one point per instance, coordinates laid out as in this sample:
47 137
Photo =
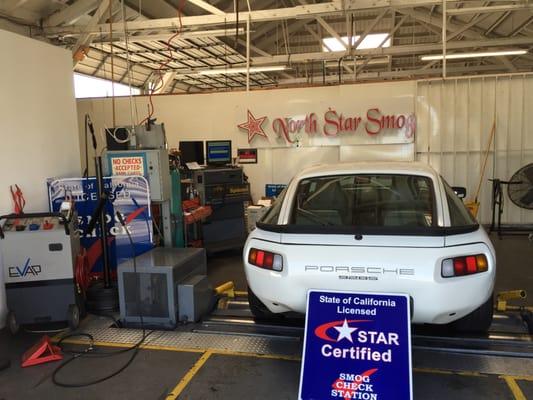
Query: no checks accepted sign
357 346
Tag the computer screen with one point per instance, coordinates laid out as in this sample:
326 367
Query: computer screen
218 152
192 151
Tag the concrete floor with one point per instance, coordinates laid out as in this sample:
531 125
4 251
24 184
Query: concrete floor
159 374
514 264
165 374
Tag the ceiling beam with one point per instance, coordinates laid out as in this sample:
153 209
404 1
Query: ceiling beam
85 39
262 53
519 28
489 9
395 74
471 33
389 36
508 64
330 30
317 37
466 27
497 23
12 7
254 48
369 28
165 36
72 13
333 33
335 7
326 26
263 29
271 39
152 8
101 64
204 5
393 50
166 81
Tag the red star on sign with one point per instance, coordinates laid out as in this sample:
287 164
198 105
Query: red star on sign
253 126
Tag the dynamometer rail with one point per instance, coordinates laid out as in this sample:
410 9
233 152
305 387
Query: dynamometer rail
507 337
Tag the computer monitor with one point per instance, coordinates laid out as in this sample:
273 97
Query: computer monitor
192 151
218 152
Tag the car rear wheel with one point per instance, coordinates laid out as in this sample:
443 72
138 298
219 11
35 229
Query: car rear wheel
477 321
259 310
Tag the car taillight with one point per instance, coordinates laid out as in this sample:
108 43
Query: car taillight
467 265
265 259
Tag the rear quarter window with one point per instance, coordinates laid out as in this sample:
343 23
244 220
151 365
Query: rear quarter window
272 215
459 214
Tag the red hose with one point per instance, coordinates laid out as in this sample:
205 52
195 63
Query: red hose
82 270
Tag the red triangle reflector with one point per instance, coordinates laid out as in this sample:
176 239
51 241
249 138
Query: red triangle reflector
41 352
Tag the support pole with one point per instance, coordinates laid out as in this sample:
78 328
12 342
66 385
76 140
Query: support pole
112 63
248 54
102 222
444 38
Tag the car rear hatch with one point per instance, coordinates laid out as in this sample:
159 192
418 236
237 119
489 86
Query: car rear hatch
361 262
358 240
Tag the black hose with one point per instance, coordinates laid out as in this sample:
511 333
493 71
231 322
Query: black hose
88 124
90 352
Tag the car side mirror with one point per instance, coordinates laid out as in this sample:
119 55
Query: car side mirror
459 191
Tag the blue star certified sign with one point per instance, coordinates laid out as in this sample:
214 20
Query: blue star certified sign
357 346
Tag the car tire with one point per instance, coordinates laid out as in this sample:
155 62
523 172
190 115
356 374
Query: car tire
73 316
258 309
478 320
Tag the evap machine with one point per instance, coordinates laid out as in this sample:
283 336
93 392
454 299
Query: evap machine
38 258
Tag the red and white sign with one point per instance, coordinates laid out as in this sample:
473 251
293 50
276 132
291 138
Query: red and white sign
331 127
131 165
253 126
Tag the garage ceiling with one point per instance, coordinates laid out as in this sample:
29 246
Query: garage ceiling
173 45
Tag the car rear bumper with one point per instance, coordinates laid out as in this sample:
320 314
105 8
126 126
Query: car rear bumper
436 300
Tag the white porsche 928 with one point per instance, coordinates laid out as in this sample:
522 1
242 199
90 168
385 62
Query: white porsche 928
373 227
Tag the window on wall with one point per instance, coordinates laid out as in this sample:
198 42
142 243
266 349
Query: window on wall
371 41
89 86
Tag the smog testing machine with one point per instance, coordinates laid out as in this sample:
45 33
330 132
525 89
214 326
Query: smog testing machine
38 257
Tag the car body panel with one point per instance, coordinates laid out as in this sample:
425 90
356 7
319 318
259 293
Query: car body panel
408 264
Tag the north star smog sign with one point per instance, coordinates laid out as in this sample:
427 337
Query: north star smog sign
332 127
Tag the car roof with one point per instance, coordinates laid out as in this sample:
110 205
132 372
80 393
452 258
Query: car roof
367 167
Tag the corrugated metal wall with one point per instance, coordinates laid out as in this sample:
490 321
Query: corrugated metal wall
455 119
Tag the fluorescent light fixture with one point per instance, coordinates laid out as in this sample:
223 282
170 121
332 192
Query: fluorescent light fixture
242 70
371 41
474 55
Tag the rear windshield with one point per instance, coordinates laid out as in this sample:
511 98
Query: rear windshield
365 200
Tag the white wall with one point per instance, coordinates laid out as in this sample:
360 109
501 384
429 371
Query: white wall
216 116
38 129
454 119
